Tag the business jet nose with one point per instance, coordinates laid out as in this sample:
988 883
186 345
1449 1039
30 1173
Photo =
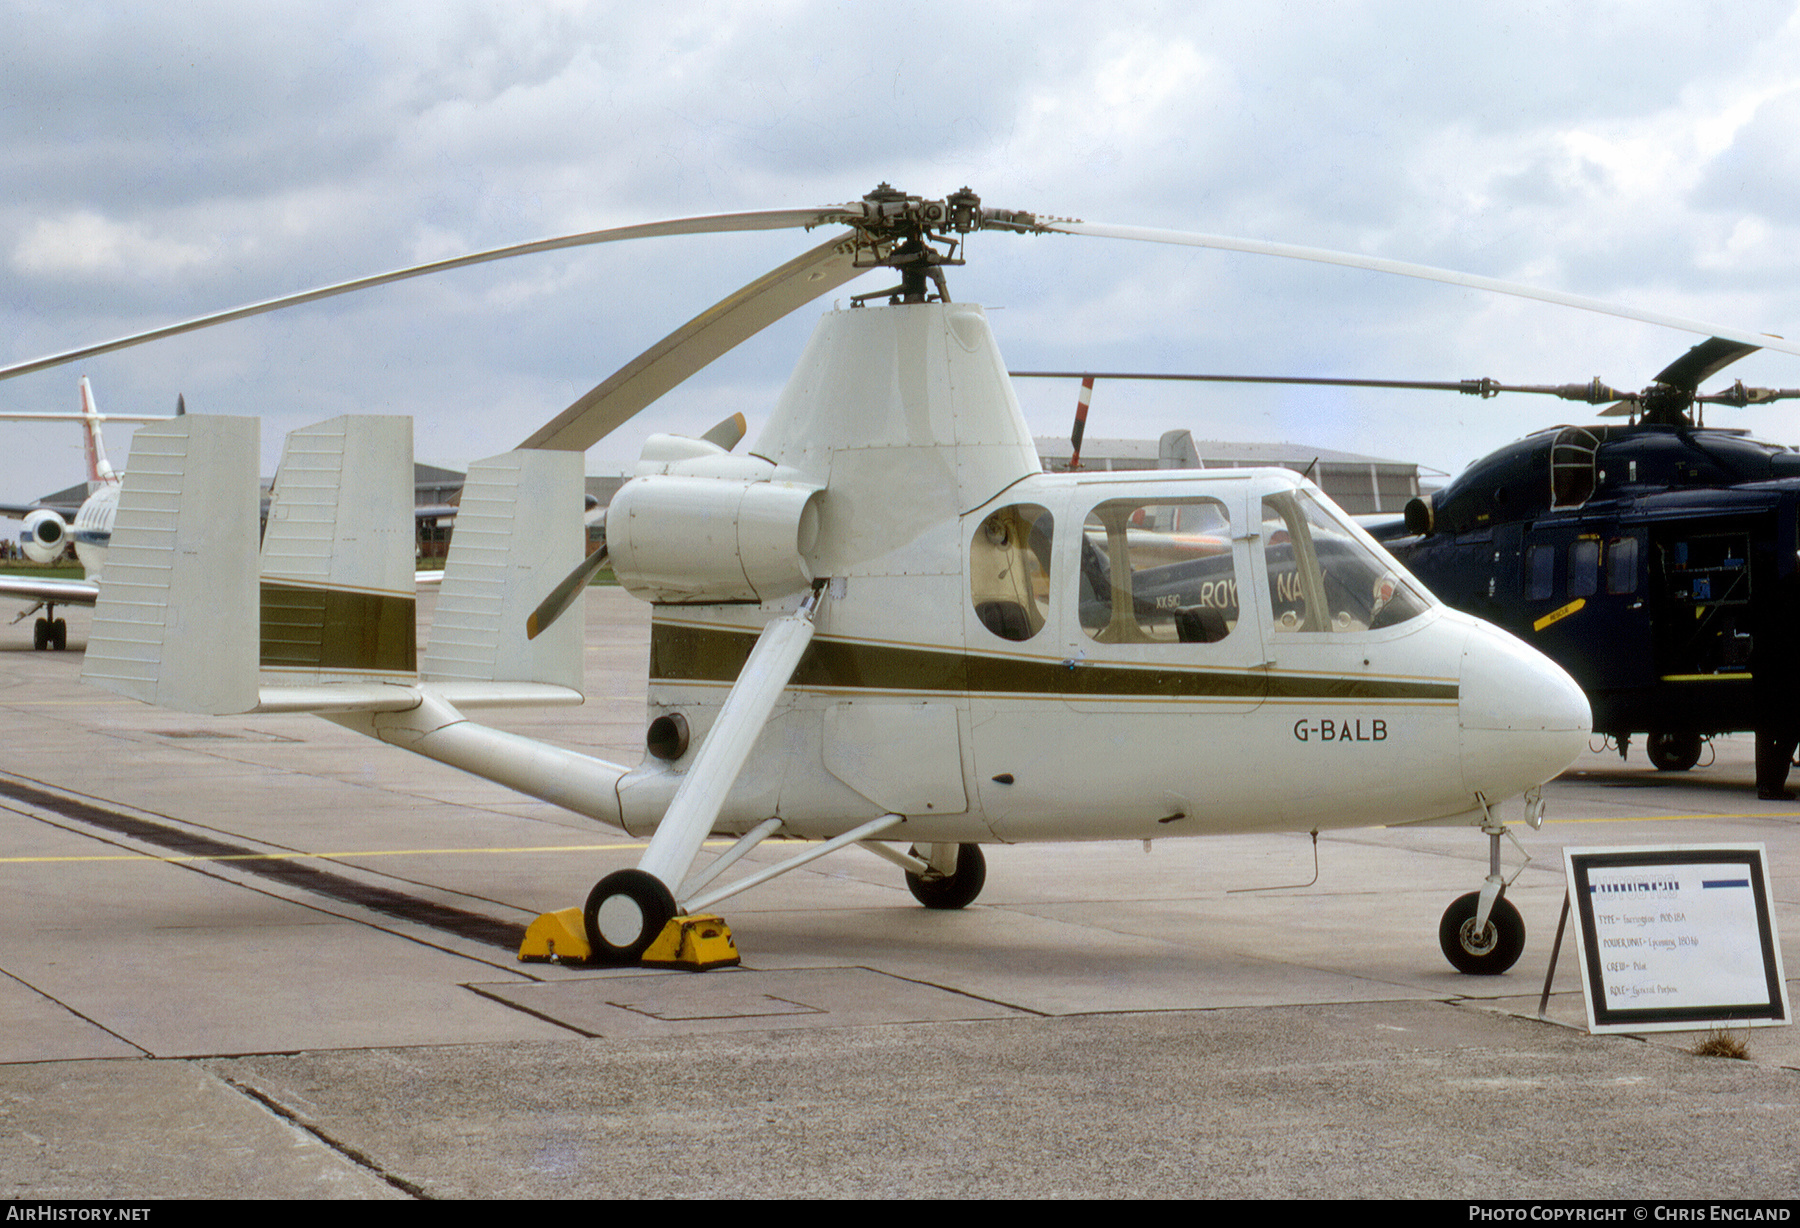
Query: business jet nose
1523 718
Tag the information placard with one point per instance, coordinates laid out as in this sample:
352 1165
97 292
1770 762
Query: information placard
1676 937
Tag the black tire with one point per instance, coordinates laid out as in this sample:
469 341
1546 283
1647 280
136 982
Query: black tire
630 933
956 890
40 634
1489 953
59 635
1672 752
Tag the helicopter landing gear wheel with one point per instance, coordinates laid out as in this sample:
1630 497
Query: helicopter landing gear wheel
1490 951
625 912
955 890
1672 752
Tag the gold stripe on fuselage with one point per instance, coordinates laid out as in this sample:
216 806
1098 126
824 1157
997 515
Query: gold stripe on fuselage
714 655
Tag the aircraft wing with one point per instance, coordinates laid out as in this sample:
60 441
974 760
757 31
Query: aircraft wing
19 511
62 592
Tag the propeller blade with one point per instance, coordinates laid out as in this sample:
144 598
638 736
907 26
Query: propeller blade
714 331
729 432
564 594
1401 268
773 219
1703 362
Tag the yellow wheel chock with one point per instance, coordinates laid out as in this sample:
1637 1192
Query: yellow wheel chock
556 935
694 943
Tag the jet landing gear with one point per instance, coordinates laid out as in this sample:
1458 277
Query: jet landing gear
1482 934
50 631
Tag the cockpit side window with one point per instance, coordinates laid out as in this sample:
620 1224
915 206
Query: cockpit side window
1323 577
1158 573
1009 570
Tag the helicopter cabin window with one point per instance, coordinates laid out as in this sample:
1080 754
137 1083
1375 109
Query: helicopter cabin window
1158 573
1009 570
1540 572
1324 576
1621 565
1584 567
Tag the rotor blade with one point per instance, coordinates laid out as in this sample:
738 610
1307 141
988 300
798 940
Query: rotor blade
1592 393
774 219
1423 272
1703 362
720 327
563 595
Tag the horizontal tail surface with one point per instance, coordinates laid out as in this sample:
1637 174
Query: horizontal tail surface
325 618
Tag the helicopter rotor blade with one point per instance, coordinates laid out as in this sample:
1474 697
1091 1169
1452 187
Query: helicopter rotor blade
774 219
1401 268
725 324
1703 362
1593 393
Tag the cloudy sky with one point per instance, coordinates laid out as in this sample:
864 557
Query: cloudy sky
163 161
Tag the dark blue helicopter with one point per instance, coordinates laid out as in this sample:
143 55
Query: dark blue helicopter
1658 561
1655 561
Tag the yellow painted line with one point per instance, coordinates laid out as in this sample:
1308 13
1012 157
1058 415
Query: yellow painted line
1654 818
1558 615
1706 677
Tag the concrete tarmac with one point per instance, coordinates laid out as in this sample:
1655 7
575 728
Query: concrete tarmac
263 957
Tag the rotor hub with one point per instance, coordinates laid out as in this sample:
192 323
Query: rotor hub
919 237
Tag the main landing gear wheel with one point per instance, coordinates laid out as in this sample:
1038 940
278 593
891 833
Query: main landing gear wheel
50 633
1673 752
958 890
625 912
1492 950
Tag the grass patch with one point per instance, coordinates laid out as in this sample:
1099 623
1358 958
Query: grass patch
1722 1044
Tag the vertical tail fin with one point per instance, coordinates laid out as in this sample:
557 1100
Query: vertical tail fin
100 470
518 531
190 618
176 621
338 597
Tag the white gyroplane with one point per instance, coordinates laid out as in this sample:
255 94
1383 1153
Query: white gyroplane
882 624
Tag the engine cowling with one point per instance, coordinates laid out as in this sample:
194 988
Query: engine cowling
45 537
704 540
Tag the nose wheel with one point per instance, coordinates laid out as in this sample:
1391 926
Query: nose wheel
1482 934
625 912
1485 951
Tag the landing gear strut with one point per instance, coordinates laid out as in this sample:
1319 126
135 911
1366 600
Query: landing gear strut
1482 934
50 632
955 887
